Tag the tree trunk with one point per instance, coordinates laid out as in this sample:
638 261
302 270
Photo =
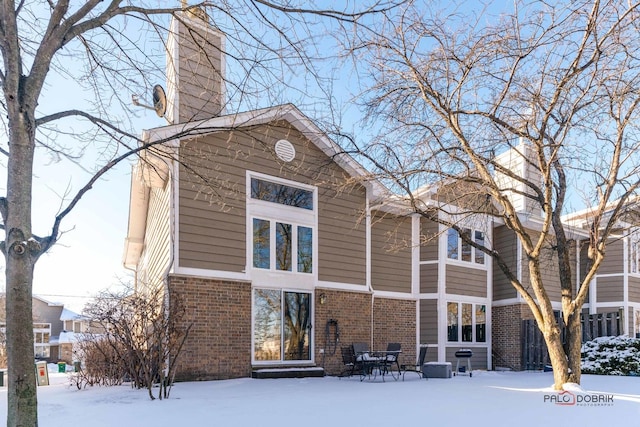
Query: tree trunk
557 356
573 345
21 252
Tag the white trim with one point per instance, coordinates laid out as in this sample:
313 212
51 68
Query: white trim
610 275
441 303
429 262
430 296
367 248
415 256
211 274
519 265
487 314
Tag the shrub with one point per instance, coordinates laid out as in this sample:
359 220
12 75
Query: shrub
611 356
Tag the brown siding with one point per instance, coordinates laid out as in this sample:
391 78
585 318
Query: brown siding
548 270
429 232
609 289
429 322
634 289
212 210
478 359
390 253
613 258
466 281
505 243
584 258
428 278
200 80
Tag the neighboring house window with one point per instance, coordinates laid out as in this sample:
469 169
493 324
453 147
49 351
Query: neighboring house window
466 322
41 335
282 239
282 325
460 249
634 249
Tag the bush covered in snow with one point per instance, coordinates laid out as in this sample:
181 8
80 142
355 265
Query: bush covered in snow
611 356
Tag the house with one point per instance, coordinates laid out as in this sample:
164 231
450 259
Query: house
52 340
281 251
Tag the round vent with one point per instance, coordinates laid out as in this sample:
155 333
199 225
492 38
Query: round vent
285 150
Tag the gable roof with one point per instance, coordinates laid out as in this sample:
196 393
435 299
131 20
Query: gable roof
170 137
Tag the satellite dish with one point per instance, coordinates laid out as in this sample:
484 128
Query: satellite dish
159 100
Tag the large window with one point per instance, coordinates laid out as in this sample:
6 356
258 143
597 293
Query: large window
466 322
282 194
460 249
281 246
282 325
282 238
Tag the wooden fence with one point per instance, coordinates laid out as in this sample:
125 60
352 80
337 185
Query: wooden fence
534 349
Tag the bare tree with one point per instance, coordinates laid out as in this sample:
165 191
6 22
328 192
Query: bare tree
138 336
462 94
100 46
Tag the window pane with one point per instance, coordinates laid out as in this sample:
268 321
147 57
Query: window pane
305 250
481 323
261 243
452 244
283 194
479 238
267 325
467 323
283 246
452 321
466 247
297 323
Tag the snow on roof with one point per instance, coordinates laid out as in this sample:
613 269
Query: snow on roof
70 315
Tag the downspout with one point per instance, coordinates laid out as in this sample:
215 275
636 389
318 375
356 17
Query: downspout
368 259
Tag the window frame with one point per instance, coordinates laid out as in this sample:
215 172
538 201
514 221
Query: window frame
464 252
460 325
298 217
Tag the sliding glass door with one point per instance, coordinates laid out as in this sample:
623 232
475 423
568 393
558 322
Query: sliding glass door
282 325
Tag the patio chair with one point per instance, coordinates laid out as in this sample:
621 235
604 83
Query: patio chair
348 360
391 358
364 364
417 368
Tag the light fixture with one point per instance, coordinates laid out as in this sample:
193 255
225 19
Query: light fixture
323 298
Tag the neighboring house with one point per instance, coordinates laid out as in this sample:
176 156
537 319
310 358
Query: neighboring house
50 334
73 329
259 225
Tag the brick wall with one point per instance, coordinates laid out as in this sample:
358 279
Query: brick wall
395 321
352 310
506 334
219 343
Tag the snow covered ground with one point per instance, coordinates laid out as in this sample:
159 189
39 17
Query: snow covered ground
522 399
